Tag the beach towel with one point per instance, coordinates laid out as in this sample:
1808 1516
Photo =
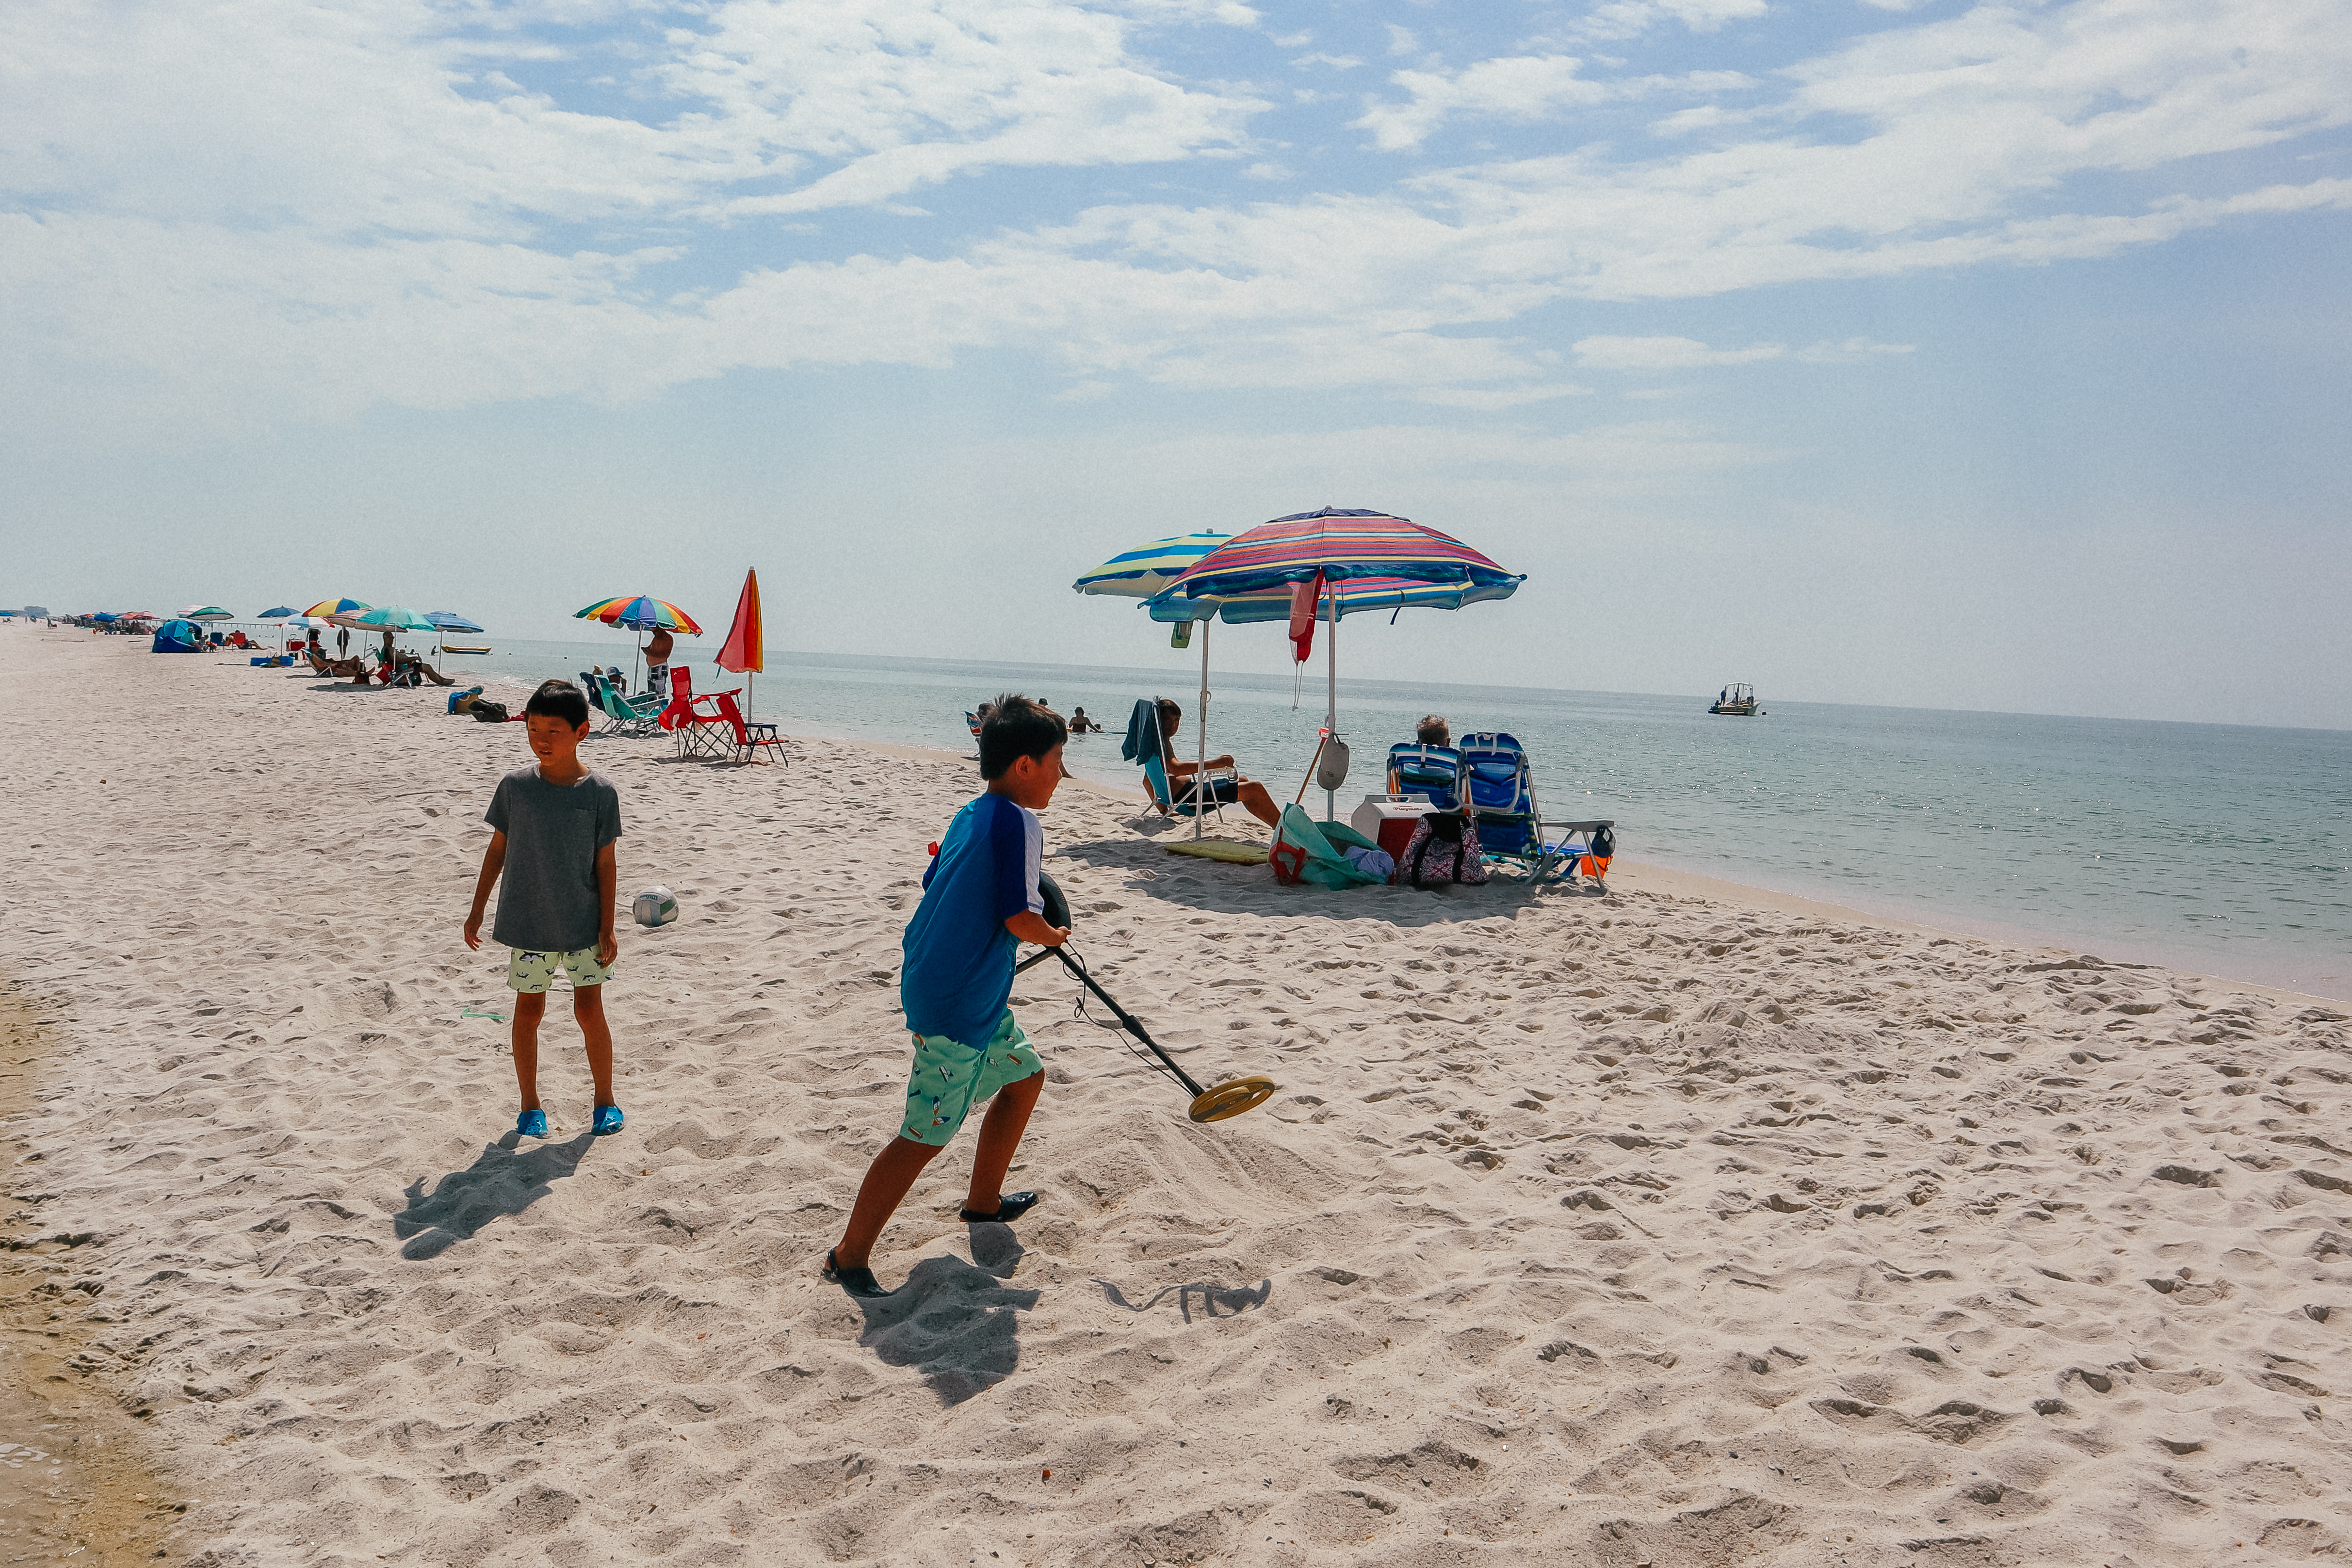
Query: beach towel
1143 739
1307 850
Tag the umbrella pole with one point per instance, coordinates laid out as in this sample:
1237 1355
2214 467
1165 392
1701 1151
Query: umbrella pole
1200 769
1331 698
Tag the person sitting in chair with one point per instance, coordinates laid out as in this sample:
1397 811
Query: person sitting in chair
1247 792
1434 730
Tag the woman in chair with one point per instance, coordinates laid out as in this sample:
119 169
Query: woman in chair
1247 792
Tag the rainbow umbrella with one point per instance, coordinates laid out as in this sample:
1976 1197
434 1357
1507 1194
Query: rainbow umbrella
328 609
1387 561
640 613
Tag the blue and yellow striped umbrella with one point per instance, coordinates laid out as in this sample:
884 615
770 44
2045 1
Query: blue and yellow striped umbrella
1140 573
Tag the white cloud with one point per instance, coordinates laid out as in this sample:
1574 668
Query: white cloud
1606 353
1520 88
274 212
1630 19
1402 40
1496 398
1851 351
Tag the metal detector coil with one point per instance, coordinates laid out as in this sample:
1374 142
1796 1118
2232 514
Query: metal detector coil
1226 1100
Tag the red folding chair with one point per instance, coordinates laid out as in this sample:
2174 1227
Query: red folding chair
751 739
701 732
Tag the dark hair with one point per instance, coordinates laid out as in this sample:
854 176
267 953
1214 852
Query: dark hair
560 699
1434 731
1013 727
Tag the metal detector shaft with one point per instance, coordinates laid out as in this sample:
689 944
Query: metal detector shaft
1126 1018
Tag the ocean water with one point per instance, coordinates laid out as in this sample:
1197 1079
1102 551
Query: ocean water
2222 849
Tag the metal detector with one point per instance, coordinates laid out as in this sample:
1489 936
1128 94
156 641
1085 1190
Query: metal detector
1229 1099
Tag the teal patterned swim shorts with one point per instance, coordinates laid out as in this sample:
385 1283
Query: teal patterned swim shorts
948 1079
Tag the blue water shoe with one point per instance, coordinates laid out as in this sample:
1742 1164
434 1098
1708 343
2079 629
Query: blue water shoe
532 1123
608 1120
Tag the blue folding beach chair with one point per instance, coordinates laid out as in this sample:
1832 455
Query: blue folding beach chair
1432 773
1499 788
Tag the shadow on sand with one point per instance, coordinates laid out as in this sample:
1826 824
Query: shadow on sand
505 1181
953 1321
1216 1301
1222 888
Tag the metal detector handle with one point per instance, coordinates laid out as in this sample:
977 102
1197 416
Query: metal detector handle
1127 1019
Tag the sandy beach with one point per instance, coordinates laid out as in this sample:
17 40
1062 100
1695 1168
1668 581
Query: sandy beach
1643 1228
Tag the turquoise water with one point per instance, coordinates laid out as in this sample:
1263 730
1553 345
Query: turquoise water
2218 848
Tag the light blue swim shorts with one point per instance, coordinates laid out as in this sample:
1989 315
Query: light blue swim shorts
948 1079
530 973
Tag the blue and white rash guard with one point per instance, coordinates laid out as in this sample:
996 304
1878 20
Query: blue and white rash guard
959 955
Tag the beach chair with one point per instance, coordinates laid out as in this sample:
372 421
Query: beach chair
633 717
1499 788
751 739
700 730
1187 801
1432 773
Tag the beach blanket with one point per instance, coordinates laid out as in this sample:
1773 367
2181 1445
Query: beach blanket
1307 850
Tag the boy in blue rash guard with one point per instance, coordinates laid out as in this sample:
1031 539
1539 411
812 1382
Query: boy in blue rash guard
980 903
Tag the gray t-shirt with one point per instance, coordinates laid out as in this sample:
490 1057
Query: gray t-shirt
548 898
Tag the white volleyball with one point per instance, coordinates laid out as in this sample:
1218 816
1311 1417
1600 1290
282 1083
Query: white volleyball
655 906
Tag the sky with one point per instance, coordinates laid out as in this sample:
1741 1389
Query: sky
1931 353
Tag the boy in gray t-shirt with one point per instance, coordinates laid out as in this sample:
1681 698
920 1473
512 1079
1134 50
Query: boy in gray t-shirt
555 824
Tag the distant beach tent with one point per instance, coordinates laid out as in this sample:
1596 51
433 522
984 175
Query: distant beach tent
1309 559
181 636
206 612
103 619
640 613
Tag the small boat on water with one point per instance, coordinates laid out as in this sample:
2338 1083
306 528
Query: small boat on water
1737 699
465 647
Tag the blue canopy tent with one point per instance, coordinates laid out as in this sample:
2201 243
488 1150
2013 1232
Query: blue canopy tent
178 637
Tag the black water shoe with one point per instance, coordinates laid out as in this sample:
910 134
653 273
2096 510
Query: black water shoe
857 1282
1009 1207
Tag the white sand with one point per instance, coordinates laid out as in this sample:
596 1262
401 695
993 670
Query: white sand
1613 1231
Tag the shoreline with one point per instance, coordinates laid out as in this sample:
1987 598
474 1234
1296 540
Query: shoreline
1648 877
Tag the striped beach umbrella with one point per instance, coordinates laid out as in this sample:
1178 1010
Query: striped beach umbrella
327 609
1339 545
206 612
1142 572
1394 558
640 613
1354 595
279 613
390 618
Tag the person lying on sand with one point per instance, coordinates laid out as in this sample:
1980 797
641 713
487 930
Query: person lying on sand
1223 791
981 901
554 827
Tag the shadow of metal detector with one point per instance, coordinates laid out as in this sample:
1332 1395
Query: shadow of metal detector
1216 1104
